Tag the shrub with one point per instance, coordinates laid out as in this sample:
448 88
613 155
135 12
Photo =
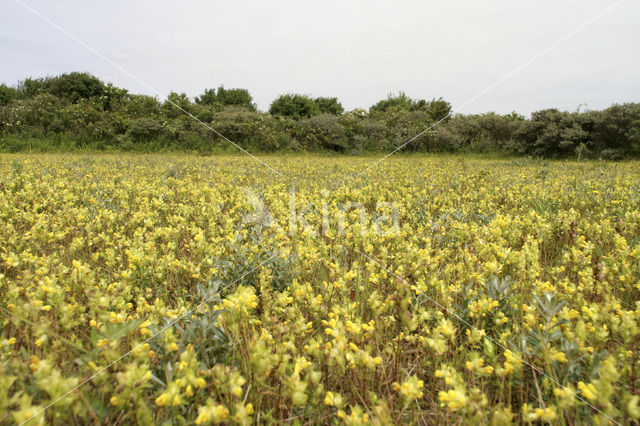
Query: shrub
70 87
7 94
399 102
413 115
323 132
553 133
235 97
114 98
75 117
176 105
81 110
438 109
75 86
617 128
30 87
376 136
38 113
294 106
329 105
142 106
209 97
205 113
249 129
144 130
227 97
478 132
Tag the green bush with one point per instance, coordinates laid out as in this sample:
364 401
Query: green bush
114 98
617 129
250 130
323 132
398 102
205 113
235 97
75 86
78 111
30 87
329 105
176 105
140 106
39 113
70 87
76 117
375 136
435 109
144 130
227 97
7 94
438 109
478 133
294 106
553 133
209 97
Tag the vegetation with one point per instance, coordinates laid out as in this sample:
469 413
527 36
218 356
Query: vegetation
329 105
77 111
225 97
500 291
436 109
294 106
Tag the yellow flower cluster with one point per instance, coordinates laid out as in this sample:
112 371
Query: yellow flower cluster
482 306
410 389
208 290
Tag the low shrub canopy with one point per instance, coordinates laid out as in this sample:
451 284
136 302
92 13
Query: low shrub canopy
77 110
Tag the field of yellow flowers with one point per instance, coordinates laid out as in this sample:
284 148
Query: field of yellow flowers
158 289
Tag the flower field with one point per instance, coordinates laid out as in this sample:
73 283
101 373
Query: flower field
157 289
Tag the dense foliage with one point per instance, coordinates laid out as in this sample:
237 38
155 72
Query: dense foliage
294 106
507 291
226 97
329 105
77 110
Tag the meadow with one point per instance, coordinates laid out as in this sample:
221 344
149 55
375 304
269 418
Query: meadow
177 289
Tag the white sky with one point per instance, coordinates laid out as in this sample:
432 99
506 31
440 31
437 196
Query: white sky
358 51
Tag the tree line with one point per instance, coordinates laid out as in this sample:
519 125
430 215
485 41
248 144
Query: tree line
79 111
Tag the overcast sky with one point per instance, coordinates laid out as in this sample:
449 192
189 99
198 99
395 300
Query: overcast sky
358 51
